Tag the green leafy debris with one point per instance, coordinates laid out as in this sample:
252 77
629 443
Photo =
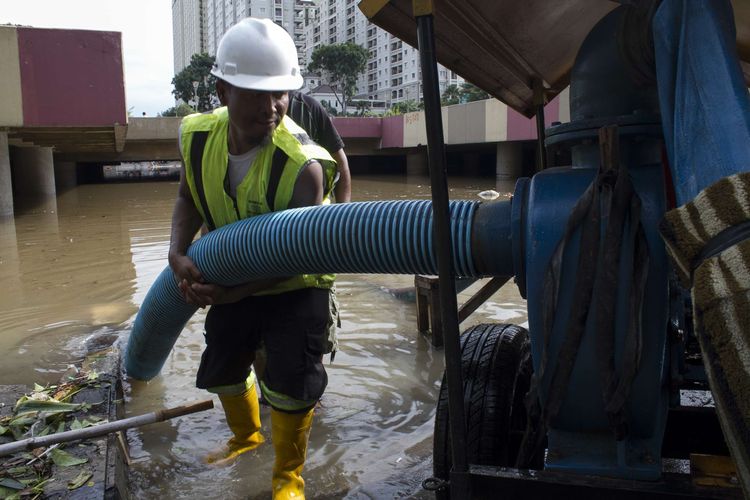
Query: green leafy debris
9 482
64 459
49 407
45 410
80 480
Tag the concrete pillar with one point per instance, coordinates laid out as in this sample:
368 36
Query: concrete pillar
416 164
9 261
33 171
508 161
65 175
6 184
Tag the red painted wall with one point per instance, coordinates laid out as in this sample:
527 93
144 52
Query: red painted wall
521 128
71 77
393 132
352 127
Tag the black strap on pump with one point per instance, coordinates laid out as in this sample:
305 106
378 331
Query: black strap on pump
197 146
610 197
277 168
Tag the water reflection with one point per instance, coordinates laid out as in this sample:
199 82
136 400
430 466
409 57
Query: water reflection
71 272
78 275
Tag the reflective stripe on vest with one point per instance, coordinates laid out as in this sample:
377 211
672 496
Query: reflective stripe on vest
196 160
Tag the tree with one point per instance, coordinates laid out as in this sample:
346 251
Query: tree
329 109
408 106
340 64
195 84
181 109
471 93
451 95
363 107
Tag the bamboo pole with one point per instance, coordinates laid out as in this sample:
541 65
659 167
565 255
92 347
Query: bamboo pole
105 428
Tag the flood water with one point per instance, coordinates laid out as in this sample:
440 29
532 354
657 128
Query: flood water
74 271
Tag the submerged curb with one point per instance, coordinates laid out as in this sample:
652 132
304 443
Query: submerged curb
104 456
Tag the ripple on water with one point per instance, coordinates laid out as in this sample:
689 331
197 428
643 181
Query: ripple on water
85 266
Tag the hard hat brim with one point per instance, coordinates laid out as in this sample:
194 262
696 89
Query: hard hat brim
263 83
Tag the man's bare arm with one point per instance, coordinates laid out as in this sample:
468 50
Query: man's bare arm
186 220
308 190
343 189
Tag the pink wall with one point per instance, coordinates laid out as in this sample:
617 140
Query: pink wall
71 77
521 128
393 132
362 128
390 129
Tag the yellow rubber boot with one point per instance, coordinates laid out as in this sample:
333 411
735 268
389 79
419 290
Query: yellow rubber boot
290 433
243 418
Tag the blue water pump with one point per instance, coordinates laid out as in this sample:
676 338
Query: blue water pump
582 437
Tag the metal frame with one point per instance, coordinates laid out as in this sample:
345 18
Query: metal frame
472 481
460 486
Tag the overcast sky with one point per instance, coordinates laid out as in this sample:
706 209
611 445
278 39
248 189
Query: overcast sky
146 27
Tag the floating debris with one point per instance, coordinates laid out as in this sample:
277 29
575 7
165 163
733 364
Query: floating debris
45 410
490 194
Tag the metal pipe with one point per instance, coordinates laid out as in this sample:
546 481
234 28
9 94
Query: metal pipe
448 304
105 428
539 108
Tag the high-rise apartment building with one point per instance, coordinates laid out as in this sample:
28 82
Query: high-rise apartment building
187 31
198 25
392 74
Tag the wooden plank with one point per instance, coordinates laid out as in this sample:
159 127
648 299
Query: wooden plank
481 296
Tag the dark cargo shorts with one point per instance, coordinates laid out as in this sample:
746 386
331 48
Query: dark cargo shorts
292 327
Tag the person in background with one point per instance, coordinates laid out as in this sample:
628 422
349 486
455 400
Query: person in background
245 159
309 114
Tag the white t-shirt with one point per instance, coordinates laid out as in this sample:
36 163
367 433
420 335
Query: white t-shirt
238 167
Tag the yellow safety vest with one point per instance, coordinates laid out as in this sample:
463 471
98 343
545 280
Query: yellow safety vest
268 185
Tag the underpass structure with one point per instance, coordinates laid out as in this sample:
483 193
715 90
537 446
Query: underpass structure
64 116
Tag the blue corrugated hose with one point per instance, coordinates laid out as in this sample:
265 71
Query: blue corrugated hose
383 237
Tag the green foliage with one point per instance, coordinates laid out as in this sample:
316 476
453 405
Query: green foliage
330 109
467 92
181 109
451 95
340 65
363 108
408 106
81 479
471 93
64 459
46 410
198 71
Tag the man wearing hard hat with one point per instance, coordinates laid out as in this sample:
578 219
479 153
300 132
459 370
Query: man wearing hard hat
245 159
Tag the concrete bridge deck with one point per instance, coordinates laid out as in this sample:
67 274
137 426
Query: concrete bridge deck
63 105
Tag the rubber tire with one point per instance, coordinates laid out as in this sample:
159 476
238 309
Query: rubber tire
496 370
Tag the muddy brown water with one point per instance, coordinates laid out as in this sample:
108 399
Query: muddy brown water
75 269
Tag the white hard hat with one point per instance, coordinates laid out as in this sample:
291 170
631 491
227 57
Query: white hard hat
258 54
